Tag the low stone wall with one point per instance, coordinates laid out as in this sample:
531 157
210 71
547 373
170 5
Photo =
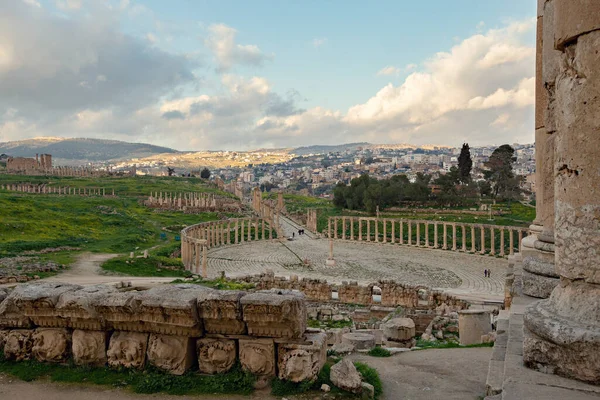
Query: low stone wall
172 327
390 293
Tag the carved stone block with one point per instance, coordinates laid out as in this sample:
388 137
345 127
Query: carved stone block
78 307
301 362
258 356
216 356
51 345
89 347
127 349
275 313
38 300
221 312
172 309
174 354
120 310
18 344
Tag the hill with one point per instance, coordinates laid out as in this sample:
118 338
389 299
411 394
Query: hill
324 149
80 150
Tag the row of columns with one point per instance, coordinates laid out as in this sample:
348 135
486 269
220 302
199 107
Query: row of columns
43 189
189 199
467 230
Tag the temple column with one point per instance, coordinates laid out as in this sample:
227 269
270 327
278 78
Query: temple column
562 332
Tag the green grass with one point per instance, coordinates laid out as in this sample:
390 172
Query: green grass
379 352
112 225
425 344
148 381
371 376
220 284
313 323
151 266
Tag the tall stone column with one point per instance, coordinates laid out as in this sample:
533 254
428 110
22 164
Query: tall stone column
562 333
539 275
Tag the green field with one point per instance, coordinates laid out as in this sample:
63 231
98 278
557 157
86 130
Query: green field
120 224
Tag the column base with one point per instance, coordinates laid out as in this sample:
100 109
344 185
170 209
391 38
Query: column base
330 262
562 333
539 277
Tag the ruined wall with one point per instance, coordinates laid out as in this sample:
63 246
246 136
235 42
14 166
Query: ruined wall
390 293
172 327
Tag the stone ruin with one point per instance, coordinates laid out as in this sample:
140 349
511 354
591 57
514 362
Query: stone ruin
192 202
173 327
62 190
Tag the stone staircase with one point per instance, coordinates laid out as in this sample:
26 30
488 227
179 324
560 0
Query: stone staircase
508 378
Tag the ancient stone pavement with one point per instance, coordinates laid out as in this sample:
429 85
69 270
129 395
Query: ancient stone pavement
454 272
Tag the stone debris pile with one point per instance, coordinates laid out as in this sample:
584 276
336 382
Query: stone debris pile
172 327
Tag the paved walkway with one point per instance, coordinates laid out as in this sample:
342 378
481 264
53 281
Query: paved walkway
454 272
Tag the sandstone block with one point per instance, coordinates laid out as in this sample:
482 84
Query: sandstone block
258 356
120 310
77 307
89 347
127 349
51 345
275 313
399 329
472 325
172 309
38 301
216 356
301 362
18 344
360 341
345 376
174 354
221 312
573 18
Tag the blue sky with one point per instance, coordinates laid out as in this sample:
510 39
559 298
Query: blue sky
233 74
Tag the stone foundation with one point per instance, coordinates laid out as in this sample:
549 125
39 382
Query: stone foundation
163 327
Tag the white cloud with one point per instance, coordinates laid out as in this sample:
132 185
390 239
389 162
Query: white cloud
221 41
318 42
68 4
389 70
33 3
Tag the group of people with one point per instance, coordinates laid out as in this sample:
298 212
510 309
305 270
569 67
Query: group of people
486 273
300 232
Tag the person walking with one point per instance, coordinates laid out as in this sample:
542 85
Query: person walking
485 272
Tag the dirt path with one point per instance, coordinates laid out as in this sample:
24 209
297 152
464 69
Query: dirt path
432 374
11 388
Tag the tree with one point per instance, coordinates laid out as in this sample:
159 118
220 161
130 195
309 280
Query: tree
205 173
500 174
465 163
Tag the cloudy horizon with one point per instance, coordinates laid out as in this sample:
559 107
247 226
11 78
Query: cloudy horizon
132 71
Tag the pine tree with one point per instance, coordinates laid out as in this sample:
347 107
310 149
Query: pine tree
465 163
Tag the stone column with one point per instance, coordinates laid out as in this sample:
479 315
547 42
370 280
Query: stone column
249 223
409 232
472 238
384 230
204 262
236 231
329 227
255 228
242 231
435 235
360 230
464 238
263 229
368 230
393 231
454 236
335 228
502 253
352 228
445 246
377 230
418 233
511 242
197 263
426 234
492 241
562 333
401 231
482 228
343 228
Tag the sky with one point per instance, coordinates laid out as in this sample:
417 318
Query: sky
241 75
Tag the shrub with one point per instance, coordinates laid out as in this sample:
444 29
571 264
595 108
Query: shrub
379 352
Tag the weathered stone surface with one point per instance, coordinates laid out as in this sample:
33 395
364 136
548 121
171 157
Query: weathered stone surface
127 349
174 354
472 325
360 341
3 294
77 306
345 376
368 391
51 345
275 313
221 312
172 309
120 310
3 336
573 18
300 362
561 334
399 329
216 356
538 285
18 344
89 347
258 356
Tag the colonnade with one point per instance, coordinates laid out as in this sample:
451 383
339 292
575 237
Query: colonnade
44 189
455 236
